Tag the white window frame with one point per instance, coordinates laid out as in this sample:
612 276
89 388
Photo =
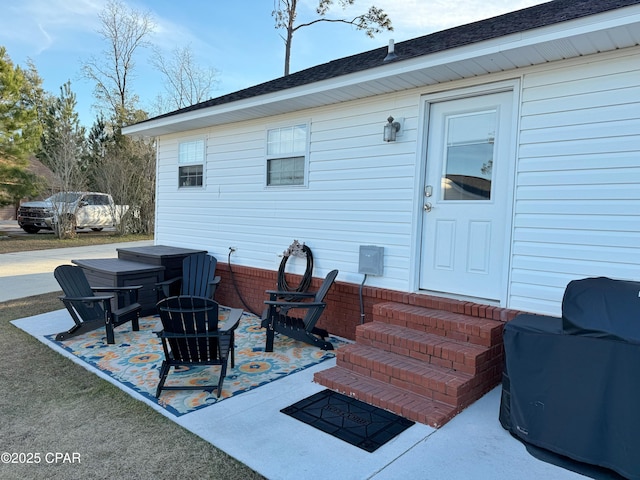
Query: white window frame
282 151
192 152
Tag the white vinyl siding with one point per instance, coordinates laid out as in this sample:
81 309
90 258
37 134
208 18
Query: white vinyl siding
577 205
360 192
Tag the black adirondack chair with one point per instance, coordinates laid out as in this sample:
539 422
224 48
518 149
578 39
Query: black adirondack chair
90 311
198 278
192 336
277 318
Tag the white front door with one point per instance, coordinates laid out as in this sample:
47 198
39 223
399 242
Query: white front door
465 196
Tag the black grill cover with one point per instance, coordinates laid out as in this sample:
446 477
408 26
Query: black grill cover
577 396
602 307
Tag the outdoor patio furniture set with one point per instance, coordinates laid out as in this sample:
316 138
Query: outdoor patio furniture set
191 334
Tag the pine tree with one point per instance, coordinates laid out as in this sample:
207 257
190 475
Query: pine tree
20 95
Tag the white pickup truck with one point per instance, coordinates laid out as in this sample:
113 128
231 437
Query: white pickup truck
82 210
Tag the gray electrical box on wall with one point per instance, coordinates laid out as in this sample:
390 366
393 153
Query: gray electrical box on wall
371 260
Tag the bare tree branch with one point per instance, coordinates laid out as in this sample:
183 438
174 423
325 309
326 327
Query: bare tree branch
117 164
125 31
185 82
285 14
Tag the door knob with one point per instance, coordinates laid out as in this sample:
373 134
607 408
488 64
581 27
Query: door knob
427 207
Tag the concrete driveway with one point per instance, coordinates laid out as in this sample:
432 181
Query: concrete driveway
23 274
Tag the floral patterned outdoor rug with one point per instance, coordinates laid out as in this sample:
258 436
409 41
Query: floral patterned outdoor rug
135 359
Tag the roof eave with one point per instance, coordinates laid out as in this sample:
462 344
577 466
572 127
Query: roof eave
588 35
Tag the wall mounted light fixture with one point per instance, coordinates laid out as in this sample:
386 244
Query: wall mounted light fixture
391 129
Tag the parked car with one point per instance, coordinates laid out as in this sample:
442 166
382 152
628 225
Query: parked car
80 210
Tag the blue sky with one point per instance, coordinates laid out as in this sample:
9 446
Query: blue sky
236 37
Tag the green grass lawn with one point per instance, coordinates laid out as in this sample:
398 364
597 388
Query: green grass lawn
10 243
51 405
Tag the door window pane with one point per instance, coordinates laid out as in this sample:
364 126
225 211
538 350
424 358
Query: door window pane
469 162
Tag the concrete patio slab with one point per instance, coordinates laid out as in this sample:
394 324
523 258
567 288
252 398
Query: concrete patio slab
251 428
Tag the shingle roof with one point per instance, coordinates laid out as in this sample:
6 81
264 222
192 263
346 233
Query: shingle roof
538 16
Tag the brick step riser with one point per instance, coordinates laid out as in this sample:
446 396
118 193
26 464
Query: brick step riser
477 331
462 307
432 382
436 383
342 382
451 354
406 404
480 367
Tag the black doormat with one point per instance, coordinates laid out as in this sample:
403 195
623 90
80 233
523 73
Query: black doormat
348 419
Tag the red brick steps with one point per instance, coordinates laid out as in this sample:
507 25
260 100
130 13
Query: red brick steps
374 392
422 363
426 347
458 326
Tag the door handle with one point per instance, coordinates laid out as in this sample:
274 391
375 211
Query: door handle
427 207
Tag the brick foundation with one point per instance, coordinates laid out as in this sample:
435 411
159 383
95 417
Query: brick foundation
342 314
